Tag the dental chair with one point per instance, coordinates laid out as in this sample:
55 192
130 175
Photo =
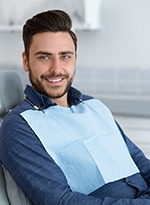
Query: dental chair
11 94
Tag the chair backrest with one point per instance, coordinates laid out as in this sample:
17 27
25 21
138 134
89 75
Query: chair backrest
11 94
3 193
11 91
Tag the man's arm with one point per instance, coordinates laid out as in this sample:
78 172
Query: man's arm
36 173
139 158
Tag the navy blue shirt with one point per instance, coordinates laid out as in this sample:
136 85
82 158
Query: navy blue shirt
42 180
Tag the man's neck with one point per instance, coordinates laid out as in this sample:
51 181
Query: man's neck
61 101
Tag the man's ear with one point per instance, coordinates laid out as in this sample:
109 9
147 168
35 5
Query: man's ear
25 61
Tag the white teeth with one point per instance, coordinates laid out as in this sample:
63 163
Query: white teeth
55 80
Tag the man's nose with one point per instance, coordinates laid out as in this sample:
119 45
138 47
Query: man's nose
55 65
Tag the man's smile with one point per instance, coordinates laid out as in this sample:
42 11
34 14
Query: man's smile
55 80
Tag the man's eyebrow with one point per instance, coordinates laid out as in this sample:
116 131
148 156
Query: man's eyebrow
48 53
65 52
43 53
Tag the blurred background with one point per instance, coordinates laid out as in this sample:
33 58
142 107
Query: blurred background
113 60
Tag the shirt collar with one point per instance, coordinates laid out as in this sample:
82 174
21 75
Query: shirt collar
43 101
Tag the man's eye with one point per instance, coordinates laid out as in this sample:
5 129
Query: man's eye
65 57
44 57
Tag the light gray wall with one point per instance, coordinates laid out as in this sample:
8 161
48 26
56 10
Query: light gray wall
10 48
123 40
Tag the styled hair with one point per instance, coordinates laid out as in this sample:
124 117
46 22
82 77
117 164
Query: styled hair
51 20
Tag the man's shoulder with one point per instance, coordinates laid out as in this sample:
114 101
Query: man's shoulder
14 115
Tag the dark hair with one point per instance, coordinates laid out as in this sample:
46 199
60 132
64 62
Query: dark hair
52 20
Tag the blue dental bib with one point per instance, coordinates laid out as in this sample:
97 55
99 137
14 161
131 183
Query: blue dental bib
85 143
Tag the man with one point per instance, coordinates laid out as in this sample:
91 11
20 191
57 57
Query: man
59 145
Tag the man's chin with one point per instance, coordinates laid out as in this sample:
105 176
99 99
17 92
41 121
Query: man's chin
56 94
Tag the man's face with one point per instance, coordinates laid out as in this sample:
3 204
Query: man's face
51 63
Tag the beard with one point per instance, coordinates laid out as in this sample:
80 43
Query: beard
51 92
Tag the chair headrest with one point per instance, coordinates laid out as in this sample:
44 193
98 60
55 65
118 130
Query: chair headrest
11 91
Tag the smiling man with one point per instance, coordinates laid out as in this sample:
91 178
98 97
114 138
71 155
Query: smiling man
59 145
51 64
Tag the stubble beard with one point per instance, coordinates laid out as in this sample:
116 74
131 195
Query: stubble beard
50 92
